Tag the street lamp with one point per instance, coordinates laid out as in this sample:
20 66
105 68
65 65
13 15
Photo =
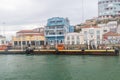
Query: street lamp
21 41
56 37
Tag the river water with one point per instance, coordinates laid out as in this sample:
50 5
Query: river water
59 67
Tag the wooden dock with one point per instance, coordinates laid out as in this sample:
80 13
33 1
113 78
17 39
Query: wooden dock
64 52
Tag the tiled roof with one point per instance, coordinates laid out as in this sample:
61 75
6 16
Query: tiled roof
32 34
90 27
27 31
111 34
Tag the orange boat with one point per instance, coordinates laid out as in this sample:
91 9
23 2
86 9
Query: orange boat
60 47
3 47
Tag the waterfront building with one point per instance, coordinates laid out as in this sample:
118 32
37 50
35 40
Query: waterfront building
108 9
118 29
25 37
2 40
111 38
56 29
92 36
74 38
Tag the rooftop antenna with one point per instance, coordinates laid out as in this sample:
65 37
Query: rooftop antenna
3 28
82 10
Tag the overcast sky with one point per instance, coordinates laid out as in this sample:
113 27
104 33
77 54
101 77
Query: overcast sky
27 14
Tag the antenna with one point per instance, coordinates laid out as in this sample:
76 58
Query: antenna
82 10
3 28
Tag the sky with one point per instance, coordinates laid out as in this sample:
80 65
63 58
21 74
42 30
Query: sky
17 15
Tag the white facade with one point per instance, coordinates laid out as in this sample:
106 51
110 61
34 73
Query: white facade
74 38
92 36
110 26
118 29
104 28
2 40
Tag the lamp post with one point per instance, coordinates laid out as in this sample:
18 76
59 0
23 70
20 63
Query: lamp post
56 37
21 41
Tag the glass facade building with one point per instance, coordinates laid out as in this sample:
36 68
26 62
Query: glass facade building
108 9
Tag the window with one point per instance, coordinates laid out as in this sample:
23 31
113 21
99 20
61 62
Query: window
68 42
72 37
15 43
98 32
73 42
2 41
68 38
52 21
78 42
61 41
105 30
98 36
91 31
59 21
23 42
98 42
78 37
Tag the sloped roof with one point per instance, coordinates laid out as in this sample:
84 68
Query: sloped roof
27 31
90 27
111 34
32 34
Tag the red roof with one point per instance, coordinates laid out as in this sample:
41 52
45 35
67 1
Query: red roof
27 31
111 34
90 27
32 34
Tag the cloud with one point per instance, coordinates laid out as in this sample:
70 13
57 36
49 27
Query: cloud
17 13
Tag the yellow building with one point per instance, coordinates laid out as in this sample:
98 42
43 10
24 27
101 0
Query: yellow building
25 37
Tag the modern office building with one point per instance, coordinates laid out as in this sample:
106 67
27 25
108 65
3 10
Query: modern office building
56 29
108 9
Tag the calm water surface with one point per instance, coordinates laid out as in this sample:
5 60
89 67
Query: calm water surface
59 67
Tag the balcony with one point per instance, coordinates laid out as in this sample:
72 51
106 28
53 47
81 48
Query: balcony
52 35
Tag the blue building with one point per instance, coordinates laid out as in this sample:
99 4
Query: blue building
56 29
108 9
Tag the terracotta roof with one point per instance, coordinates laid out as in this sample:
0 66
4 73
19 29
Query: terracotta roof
90 27
27 31
111 34
33 35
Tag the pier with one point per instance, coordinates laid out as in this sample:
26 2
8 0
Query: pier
64 52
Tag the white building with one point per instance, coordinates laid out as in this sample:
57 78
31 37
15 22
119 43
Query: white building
118 29
110 26
74 38
104 28
2 40
92 36
108 9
